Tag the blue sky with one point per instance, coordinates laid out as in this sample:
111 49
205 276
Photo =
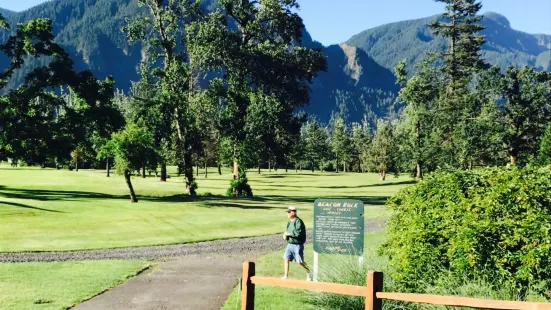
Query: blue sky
335 21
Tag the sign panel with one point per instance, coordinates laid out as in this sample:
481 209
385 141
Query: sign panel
339 226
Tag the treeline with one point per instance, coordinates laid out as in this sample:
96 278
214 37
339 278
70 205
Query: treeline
456 112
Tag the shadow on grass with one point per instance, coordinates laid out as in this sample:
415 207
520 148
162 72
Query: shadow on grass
207 201
53 195
20 205
409 182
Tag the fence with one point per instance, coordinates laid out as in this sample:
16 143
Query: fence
373 293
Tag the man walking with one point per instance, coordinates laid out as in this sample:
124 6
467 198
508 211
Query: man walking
295 235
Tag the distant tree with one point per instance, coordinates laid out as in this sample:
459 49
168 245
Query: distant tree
340 143
414 129
381 156
133 149
316 144
526 113
544 156
460 25
360 140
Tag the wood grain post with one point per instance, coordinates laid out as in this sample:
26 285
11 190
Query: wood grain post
247 287
374 285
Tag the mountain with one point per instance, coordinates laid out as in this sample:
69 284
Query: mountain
358 84
391 43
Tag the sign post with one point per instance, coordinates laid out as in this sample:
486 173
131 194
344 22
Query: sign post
338 229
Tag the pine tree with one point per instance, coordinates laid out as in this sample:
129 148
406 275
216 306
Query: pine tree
381 156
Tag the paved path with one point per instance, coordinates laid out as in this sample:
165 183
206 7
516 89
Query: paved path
166 252
191 276
195 282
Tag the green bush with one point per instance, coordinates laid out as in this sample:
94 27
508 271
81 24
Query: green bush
239 187
493 223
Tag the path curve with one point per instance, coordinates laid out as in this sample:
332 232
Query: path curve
166 252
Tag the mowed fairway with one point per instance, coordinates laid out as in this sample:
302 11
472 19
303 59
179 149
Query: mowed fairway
51 210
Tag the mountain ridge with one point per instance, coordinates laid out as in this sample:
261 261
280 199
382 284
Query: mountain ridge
359 83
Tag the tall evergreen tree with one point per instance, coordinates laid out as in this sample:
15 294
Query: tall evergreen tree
340 143
527 111
381 156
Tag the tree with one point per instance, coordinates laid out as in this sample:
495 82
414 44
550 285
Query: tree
38 125
316 141
254 46
420 94
526 113
360 140
382 152
544 156
460 24
163 32
133 149
340 143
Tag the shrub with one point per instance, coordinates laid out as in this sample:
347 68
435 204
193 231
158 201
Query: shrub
239 187
492 223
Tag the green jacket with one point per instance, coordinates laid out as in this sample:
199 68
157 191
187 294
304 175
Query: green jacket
297 230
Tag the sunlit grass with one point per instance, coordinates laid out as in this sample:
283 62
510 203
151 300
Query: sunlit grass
45 210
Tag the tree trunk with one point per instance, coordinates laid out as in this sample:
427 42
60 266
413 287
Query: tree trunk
258 168
197 168
337 165
235 163
133 197
270 165
419 165
383 175
219 169
143 172
206 170
163 172
344 167
76 165
514 160
108 168
419 174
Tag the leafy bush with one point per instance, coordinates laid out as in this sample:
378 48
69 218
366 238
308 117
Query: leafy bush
239 187
493 223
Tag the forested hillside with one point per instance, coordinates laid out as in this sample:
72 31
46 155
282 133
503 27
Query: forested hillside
390 44
358 84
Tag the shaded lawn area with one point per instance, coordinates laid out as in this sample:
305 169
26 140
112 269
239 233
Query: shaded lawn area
271 265
60 285
51 210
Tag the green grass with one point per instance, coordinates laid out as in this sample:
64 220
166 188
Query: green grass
45 210
60 285
271 265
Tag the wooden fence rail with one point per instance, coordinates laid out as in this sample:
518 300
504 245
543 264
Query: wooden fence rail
373 293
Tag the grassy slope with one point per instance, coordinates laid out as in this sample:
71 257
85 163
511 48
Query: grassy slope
44 210
60 285
275 298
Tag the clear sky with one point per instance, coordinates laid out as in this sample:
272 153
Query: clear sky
335 21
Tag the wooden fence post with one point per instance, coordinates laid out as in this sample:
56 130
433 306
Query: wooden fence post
247 288
374 285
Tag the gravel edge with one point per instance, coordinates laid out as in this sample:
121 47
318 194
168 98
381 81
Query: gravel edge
229 246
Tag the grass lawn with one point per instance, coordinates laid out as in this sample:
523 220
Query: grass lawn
51 210
275 298
60 285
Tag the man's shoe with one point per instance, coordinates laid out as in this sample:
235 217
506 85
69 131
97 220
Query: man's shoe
309 276
284 278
